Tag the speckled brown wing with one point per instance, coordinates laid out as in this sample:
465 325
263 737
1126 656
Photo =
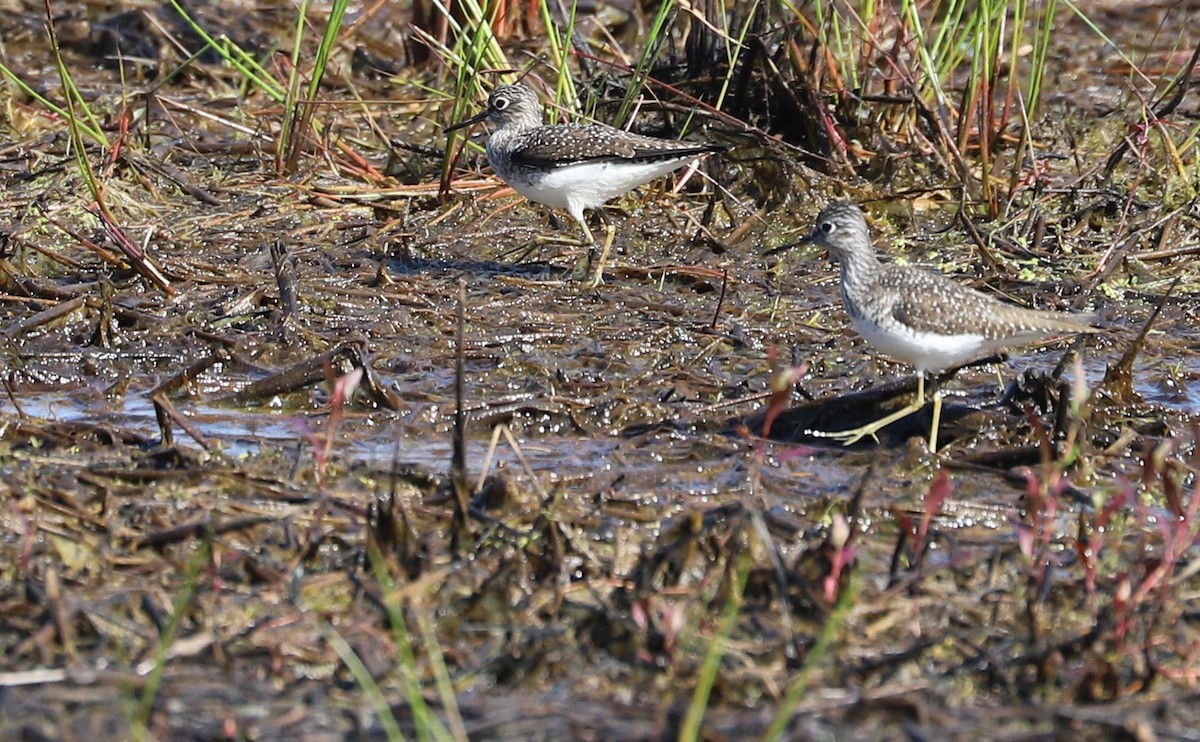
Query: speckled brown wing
568 144
931 302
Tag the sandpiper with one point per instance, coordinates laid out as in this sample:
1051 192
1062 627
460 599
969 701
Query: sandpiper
573 166
922 318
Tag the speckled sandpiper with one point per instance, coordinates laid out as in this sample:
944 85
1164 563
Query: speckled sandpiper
924 319
573 166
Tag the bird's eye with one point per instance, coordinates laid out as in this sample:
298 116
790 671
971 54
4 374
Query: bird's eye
828 227
500 104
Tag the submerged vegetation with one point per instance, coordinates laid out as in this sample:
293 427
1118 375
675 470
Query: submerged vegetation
307 433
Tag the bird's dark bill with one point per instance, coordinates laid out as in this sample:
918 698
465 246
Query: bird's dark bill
784 248
463 124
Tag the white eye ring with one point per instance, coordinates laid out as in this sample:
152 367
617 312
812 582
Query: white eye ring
828 227
500 104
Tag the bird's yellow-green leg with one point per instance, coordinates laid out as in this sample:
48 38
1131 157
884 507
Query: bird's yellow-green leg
583 265
610 232
937 419
847 437
588 238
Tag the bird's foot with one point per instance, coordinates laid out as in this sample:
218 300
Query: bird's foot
847 437
553 239
854 435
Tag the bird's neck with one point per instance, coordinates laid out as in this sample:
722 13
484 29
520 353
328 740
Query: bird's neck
513 129
501 137
860 272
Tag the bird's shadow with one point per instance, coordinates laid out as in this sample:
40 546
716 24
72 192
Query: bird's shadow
807 421
814 421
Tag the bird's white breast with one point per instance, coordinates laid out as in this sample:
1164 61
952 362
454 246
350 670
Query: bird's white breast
925 350
588 184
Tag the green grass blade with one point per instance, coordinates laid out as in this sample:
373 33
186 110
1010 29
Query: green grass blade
428 726
445 686
285 148
96 135
167 638
659 33
236 57
337 14
816 655
559 41
75 104
690 731
1113 46
362 676
1044 28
